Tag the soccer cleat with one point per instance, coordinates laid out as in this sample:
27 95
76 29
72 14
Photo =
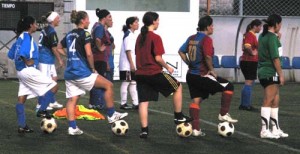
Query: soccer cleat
38 107
125 107
25 129
116 116
143 134
76 131
268 134
280 133
227 118
43 114
198 133
55 105
135 107
183 119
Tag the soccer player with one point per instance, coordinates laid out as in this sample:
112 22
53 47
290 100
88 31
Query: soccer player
80 73
47 53
197 53
270 76
32 82
127 65
149 76
248 63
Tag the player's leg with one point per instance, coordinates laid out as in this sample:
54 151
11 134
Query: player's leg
20 110
133 94
53 102
143 113
71 107
124 90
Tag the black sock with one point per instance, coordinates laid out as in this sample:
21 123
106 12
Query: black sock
178 115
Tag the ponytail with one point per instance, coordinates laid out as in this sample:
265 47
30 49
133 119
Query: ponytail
271 22
144 31
24 24
76 17
148 19
129 21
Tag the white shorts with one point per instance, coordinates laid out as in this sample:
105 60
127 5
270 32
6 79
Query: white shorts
33 83
48 69
78 87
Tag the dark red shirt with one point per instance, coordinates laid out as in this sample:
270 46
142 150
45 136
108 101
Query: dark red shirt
145 55
250 40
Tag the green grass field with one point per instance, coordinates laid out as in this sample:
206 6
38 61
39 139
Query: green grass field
98 138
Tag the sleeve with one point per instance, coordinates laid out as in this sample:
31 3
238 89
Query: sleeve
273 46
87 37
129 43
53 39
208 46
12 51
25 48
158 46
184 46
63 42
247 40
99 32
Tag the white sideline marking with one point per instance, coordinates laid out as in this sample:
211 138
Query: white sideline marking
240 133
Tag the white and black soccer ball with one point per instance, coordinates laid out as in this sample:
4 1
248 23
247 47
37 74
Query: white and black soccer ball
225 129
120 127
48 125
184 129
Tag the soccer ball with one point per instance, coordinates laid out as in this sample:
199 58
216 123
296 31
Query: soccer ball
120 127
184 129
48 125
225 129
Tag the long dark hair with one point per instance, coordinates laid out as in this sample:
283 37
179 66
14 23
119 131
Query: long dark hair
148 19
204 22
76 17
102 13
255 22
24 24
271 22
129 21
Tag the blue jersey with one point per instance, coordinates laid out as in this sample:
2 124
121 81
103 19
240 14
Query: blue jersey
48 39
24 47
77 64
111 53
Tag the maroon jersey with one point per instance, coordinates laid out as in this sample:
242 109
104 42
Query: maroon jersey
145 55
250 40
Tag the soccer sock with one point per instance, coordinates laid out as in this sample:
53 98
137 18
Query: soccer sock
52 100
72 124
20 110
123 92
45 100
274 118
246 95
178 115
110 111
265 117
133 93
194 113
225 102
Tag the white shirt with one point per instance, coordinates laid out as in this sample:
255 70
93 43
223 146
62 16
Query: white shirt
127 45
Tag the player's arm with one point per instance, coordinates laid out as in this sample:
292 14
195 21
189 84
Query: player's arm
60 49
28 62
247 48
184 57
100 45
54 40
158 59
278 69
89 56
128 54
208 54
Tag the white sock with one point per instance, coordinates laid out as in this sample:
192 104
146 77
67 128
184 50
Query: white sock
123 91
274 118
133 93
265 117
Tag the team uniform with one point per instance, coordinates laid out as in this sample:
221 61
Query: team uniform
78 75
268 50
149 76
110 72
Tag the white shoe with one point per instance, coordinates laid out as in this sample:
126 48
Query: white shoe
116 116
72 131
198 133
55 105
38 107
268 134
280 133
227 118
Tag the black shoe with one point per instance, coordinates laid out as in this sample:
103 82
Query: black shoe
135 107
43 114
25 129
143 134
183 119
247 108
125 107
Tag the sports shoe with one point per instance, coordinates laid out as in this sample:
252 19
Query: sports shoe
43 114
268 134
55 105
247 108
25 129
135 107
76 131
198 133
183 119
125 107
116 116
38 107
227 118
280 133
143 134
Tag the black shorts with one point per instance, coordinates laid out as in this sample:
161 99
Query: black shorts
101 67
249 69
203 86
269 81
127 75
149 86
